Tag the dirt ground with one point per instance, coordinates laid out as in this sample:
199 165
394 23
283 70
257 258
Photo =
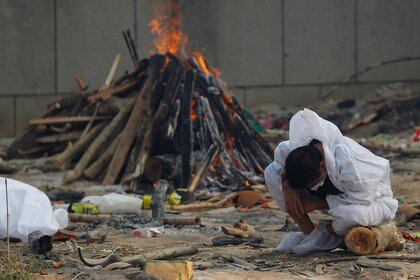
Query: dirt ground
268 221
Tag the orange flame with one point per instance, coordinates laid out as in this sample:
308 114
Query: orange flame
193 112
204 66
227 99
247 184
166 26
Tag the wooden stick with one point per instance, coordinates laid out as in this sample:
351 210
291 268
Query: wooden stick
93 149
131 49
182 220
186 128
239 261
95 169
406 257
204 165
81 83
67 119
90 123
163 254
113 70
15 165
74 150
55 138
159 117
106 93
200 206
129 133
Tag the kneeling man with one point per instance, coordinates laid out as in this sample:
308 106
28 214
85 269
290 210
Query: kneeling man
319 168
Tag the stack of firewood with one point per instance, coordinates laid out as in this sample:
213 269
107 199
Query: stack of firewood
168 119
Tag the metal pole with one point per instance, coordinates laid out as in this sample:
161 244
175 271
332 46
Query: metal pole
7 219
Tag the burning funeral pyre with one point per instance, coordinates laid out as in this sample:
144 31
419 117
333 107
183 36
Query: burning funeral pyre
171 118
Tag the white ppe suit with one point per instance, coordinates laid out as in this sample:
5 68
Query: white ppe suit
362 177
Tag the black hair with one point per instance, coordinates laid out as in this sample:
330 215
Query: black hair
303 166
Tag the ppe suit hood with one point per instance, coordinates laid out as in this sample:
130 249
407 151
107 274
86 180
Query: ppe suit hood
305 126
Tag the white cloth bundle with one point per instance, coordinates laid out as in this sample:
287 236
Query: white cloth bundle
29 210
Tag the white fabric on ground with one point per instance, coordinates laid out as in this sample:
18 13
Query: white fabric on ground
363 177
29 210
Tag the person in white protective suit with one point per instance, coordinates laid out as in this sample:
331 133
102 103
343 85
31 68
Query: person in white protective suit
319 168
29 210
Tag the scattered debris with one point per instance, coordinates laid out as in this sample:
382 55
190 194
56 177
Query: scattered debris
39 243
241 228
366 262
236 240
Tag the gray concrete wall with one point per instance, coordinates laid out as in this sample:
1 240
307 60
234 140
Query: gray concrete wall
269 51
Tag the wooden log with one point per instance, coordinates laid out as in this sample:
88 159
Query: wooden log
65 102
16 165
130 165
38 150
182 221
204 165
105 135
95 169
140 259
55 138
228 201
186 129
26 139
150 131
106 93
162 167
374 240
74 150
67 119
129 133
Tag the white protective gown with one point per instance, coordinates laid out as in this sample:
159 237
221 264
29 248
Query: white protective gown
363 177
29 210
